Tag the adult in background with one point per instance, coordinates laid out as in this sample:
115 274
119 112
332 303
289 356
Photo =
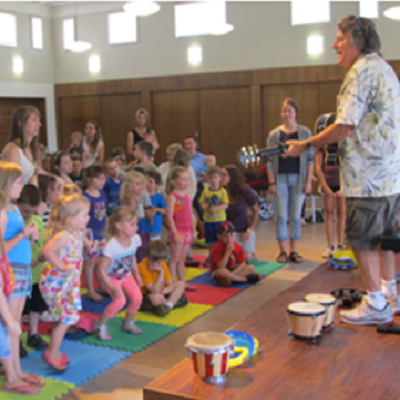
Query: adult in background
368 128
93 145
198 163
329 180
289 179
241 199
23 147
139 132
165 167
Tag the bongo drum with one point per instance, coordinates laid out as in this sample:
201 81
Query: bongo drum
330 304
305 320
210 354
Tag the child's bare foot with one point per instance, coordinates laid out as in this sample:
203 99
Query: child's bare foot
190 288
95 297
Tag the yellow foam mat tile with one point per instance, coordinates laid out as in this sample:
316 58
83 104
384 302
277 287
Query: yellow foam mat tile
178 317
191 273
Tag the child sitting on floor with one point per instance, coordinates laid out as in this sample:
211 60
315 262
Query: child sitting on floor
228 262
160 293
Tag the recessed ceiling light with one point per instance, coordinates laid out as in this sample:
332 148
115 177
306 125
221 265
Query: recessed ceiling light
392 13
142 8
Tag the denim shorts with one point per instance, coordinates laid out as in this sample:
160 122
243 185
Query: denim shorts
249 245
368 218
5 351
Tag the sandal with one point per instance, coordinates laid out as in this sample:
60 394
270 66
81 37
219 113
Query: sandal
56 364
282 258
295 257
21 389
33 380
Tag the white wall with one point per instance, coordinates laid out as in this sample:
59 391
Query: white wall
262 38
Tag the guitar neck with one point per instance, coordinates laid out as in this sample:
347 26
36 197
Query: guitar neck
272 151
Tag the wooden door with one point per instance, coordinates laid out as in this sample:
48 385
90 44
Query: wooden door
327 96
175 114
7 106
225 122
118 118
306 96
75 112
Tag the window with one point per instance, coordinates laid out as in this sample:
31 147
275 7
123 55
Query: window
200 18
121 28
8 30
68 33
310 11
37 33
369 9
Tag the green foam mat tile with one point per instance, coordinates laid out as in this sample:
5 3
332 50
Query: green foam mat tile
266 267
24 339
126 341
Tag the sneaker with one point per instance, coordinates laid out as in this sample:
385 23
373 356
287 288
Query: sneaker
182 302
253 278
394 302
130 326
23 353
162 310
340 247
207 262
192 262
102 332
37 342
329 252
364 314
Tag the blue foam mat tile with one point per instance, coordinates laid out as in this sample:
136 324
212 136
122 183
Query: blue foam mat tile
93 307
206 279
87 361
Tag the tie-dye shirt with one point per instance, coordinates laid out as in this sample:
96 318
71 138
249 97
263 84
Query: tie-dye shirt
369 100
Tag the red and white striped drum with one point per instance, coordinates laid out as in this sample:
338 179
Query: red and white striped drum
210 354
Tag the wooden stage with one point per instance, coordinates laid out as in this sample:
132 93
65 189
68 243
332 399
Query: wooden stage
348 362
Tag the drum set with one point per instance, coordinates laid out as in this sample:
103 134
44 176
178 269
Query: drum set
308 319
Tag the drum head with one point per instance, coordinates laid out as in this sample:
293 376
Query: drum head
305 308
209 341
320 298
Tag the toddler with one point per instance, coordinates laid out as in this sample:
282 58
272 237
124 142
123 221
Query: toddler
50 189
95 179
153 181
113 184
119 272
160 293
210 161
76 146
60 280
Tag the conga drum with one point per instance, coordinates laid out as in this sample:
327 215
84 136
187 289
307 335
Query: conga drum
305 320
330 304
210 354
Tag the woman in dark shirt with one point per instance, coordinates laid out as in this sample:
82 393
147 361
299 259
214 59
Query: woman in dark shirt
329 180
241 198
140 132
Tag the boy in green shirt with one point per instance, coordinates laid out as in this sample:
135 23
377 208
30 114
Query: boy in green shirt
28 204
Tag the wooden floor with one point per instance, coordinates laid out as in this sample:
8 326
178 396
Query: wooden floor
349 362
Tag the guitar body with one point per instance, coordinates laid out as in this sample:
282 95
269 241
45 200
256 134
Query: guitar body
332 158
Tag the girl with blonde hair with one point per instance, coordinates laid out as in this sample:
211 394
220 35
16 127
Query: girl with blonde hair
60 280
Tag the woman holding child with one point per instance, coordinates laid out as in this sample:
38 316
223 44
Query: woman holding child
241 199
141 132
289 179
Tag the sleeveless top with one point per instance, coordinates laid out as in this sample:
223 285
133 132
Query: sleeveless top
28 169
89 157
182 215
72 253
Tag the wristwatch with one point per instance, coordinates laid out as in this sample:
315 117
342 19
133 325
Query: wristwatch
308 143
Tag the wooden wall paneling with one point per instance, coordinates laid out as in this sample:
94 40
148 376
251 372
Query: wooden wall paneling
225 122
327 96
7 106
175 114
118 118
306 96
74 113
256 120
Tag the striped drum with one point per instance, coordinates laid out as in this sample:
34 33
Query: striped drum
210 354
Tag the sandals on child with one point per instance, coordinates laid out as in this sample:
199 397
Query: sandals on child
33 380
295 257
282 258
57 364
27 389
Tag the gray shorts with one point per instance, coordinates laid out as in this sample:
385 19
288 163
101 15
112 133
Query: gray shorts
248 245
368 218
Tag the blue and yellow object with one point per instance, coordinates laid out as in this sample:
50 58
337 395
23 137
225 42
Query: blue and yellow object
245 347
343 259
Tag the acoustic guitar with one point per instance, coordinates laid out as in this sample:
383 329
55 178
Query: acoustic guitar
251 155
332 158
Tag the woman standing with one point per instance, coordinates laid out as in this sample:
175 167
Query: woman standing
139 132
329 180
241 199
289 179
23 146
93 145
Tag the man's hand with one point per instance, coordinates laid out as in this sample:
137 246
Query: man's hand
295 148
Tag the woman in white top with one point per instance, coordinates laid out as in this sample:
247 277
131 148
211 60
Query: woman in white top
93 145
165 167
23 146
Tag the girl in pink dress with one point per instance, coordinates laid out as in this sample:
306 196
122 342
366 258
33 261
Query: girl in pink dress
180 221
60 280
